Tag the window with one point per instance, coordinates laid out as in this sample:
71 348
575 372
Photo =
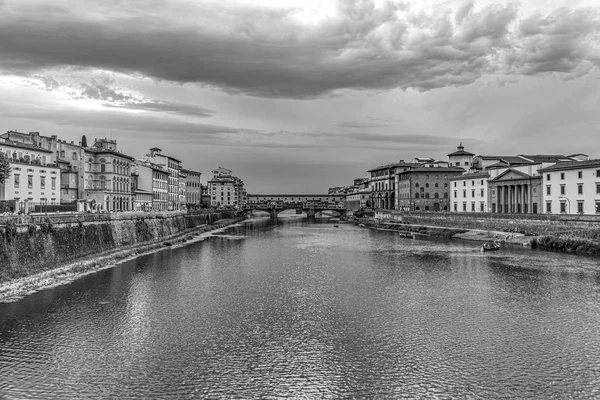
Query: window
579 174
472 183
458 163
464 183
580 188
481 193
446 184
563 207
548 190
548 206
17 180
464 207
466 163
597 206
580 206
454 184
436 196
481 207
562 189
427 185
597 188
472 207
455 207
562 176
74 156
473 193
43 182
437 184
547 177
597 171
455 194
426 195
62 154
464 193
30 181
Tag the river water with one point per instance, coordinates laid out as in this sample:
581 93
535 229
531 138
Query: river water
299 309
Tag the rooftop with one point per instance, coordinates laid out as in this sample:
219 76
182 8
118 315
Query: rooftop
572 165
460 152
437 170
470 175
394 165
22 145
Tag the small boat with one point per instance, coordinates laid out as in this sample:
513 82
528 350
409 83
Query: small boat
490 246
405 234
336 226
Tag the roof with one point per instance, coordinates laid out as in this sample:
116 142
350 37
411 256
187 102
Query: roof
522 174
21 145
296 195
471 175
190 172
571 165
500 164
433 170
507 159
99 150
460 153
544 158
388 166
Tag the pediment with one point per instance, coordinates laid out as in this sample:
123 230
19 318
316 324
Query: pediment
510 175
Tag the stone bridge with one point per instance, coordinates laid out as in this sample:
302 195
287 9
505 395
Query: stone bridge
310 204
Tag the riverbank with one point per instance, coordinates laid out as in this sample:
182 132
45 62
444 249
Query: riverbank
62 274
580 238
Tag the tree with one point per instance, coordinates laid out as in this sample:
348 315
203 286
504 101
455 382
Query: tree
83 141
4 168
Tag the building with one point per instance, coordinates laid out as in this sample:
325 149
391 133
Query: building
142 197
425 188
108 177
514 185
468 192
226 190
205 199
152 179
382 184
172 166
461 158
193 188
571 187
35 177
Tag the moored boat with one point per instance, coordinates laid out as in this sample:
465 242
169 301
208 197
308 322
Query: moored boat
490 246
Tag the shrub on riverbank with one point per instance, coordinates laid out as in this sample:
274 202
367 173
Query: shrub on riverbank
567 245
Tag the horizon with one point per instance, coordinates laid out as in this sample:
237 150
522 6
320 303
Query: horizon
310 95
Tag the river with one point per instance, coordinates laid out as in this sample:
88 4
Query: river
299 309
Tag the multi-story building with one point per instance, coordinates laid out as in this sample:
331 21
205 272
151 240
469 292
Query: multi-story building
425 188
205 197
571 187
108 177
35 177
154 179
461 158
360 197
142 195
182 191
514 185
173 166
226 190
468 192
382 184
193 188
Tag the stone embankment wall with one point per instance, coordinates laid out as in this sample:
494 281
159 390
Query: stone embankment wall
584 227
31 244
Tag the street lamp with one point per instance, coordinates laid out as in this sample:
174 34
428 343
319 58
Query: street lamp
568 203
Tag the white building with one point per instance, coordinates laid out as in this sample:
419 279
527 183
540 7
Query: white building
34 178
225 189
461 158
468 192
571 187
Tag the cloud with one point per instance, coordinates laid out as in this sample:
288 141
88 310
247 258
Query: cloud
268 52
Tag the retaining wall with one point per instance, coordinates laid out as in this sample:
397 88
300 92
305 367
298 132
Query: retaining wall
44 242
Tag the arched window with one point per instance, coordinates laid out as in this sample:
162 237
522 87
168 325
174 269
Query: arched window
416 195
102 165
436 184
417 208
417 184
102 182
426 195
436 196
426 208
427 185
446 184
422 190
90 182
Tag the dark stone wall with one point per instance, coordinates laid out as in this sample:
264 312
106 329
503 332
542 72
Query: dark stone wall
34 247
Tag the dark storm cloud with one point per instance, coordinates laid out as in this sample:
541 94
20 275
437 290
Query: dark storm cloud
268 53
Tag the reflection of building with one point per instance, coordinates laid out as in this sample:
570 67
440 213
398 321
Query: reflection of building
35 177
225 189
108 176
425 188
571 187
193 187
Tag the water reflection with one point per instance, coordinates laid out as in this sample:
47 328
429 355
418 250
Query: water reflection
298 309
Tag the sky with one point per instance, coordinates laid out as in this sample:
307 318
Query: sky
299 96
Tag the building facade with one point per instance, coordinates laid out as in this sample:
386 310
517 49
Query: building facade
468 192
571 187
173 167
226 190
35 178
108 177
193 188
425 188
461 158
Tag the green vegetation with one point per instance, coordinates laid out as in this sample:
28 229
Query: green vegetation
4 168
567 245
